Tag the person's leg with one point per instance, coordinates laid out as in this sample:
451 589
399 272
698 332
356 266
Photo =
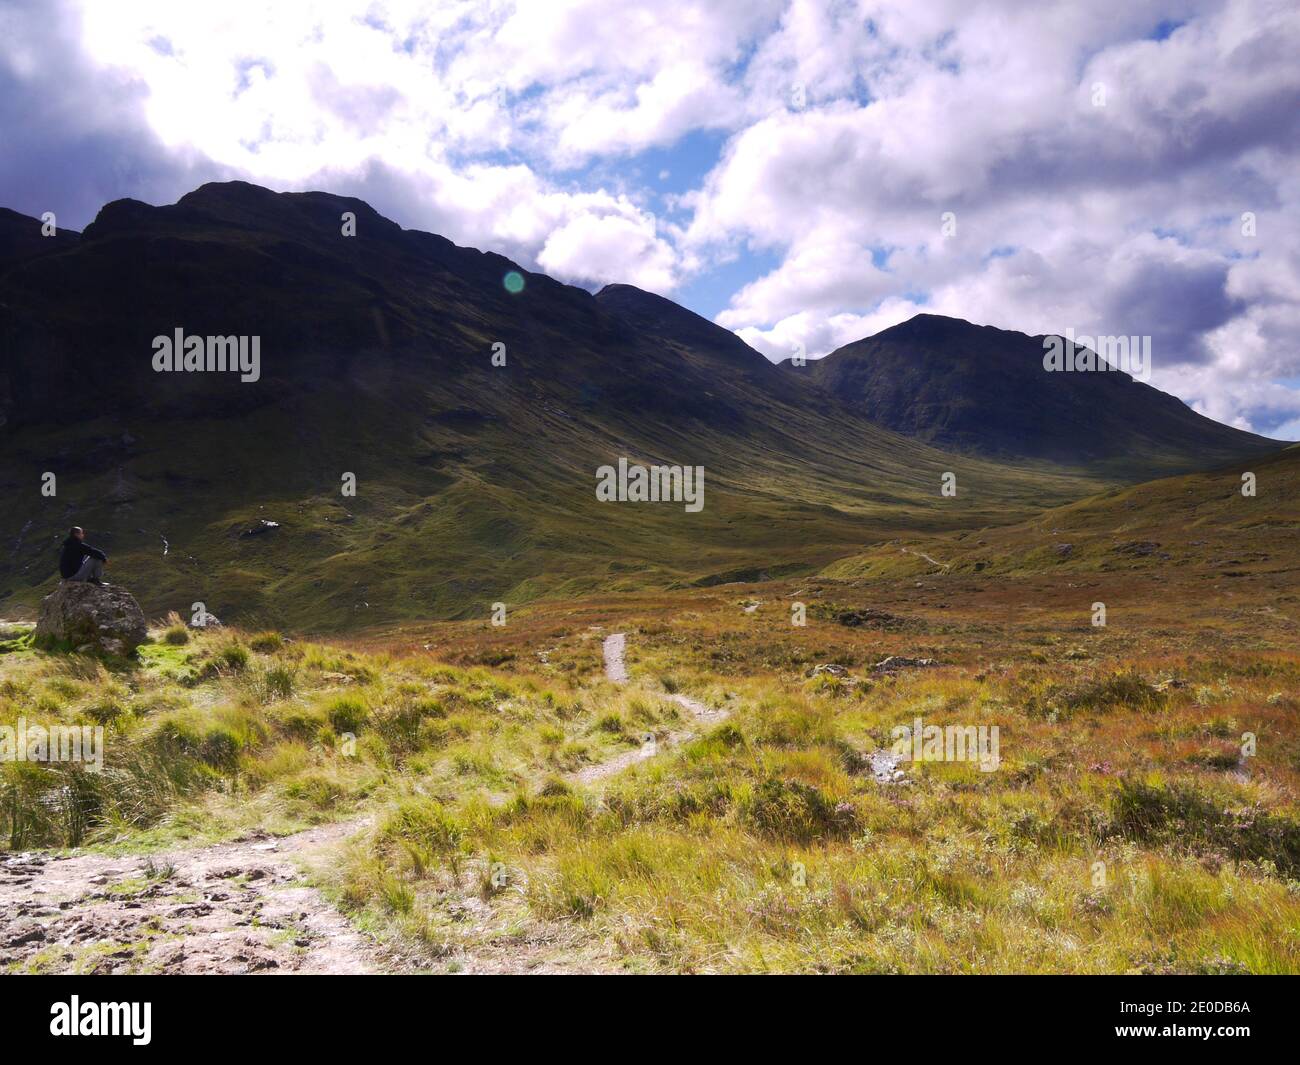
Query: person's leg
92 569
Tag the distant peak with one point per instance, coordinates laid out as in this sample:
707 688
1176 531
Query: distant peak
661 315
222 196
927 324
630 301
620 290
228 190
237 203
248 195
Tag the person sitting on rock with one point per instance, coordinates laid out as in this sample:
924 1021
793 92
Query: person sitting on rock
79 561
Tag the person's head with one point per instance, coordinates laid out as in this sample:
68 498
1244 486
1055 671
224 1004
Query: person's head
78 533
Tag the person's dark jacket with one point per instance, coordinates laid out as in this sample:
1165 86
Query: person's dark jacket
74 551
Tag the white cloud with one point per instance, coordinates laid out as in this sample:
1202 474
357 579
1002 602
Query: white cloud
416 99
614 247
850 127
1105 219
811 335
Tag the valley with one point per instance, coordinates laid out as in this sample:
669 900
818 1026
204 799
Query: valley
515 802
474 481
462 714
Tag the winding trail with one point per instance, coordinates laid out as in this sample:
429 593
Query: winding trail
945 566
615 652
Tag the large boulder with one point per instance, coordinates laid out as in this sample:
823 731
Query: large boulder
103 618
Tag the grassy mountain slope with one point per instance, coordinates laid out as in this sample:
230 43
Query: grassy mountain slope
475 482
1200 520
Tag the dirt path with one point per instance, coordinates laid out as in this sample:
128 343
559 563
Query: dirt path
885 767
615 665
648 749
945 566
242 907
615 650
248 906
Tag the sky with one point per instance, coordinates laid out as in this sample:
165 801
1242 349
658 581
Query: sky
803 173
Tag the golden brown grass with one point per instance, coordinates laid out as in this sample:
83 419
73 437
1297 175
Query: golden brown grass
1122 831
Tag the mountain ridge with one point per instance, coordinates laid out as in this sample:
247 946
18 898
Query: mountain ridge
475 480
871 376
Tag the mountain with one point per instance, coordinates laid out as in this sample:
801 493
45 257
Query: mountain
475 483
684 331
981 390
22 238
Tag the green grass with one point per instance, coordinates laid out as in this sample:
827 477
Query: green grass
504 513
1122 832
761 846
207 739
1199 519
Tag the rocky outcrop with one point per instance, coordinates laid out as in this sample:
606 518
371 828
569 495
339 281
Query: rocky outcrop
827 669
91 617
893 663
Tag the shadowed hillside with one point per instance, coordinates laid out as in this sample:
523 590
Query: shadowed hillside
983 390
475 482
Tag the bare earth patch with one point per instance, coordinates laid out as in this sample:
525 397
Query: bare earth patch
242 907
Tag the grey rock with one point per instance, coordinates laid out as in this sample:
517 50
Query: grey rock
829 669
896 662
106 618
262 527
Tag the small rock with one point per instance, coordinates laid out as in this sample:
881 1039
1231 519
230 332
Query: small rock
191 909
828 669
884 767
23 936
262 526
875 619
1136 548
893 663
